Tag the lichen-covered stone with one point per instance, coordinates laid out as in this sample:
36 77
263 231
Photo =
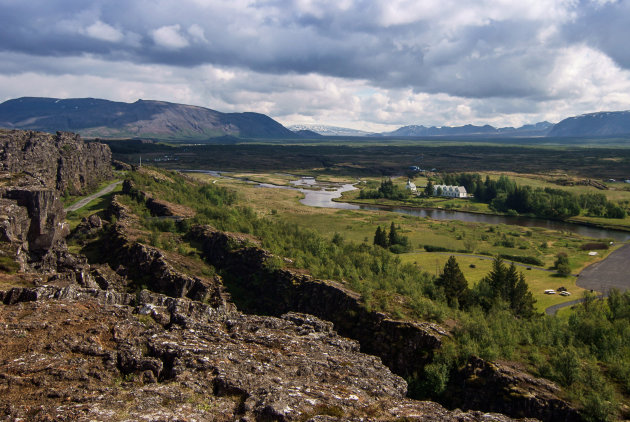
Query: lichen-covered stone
77 354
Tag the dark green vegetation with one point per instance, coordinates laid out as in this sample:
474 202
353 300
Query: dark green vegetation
587 353
393 240
364 159
505 195
387 189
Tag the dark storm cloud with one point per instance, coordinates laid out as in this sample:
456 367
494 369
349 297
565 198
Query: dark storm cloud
388 59
351 41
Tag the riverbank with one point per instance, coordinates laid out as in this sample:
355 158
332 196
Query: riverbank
388 204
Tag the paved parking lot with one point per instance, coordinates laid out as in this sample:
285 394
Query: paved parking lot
614 271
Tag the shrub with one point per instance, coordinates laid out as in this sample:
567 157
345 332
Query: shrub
593 246
532 260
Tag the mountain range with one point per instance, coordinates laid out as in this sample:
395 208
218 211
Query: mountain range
98 118
93 117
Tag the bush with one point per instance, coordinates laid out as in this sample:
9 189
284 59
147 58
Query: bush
594 246
532 260
431 248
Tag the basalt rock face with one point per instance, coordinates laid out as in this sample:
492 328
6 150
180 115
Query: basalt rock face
61 162
34 168
405 347
499 388
149 266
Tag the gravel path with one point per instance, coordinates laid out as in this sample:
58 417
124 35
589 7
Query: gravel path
83 202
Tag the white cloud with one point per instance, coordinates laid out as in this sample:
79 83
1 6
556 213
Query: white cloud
365 64
197 33
103 31
169 37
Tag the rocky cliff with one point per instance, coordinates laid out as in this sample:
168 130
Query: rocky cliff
34 169
61 162
404 346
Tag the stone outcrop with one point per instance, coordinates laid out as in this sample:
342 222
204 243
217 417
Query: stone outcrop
84 354
147 265
34 168
61 162
404 346
498 387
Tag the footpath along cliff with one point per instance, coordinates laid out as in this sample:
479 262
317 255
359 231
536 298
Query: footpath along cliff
141 333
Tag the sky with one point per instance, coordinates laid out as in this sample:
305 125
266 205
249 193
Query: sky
370 65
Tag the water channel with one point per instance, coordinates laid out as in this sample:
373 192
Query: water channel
321 194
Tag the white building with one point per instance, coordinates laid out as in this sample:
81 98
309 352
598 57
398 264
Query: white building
411 186
450 191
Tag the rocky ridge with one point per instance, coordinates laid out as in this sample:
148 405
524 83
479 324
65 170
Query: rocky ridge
75 352
132 336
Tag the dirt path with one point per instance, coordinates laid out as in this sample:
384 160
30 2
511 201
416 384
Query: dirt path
83 202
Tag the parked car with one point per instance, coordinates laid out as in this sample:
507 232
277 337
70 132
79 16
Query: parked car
561 289
550 292
565 293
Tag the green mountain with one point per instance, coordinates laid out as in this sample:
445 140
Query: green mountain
92 117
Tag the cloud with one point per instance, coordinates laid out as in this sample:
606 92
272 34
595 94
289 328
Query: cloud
103 31
382 62
197 33
169 37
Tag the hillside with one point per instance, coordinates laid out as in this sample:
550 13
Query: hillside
539 129
93 117
608 123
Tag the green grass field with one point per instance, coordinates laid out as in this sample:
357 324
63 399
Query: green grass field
538 280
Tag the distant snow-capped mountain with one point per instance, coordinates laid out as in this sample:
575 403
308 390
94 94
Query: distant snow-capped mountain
329 130
603 123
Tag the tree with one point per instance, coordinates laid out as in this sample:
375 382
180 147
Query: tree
428 190
380 237
393 235
562 264
454 283
505 284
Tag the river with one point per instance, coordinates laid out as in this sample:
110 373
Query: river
318 194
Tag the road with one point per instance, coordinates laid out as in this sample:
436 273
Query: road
83 202
602 276
612 272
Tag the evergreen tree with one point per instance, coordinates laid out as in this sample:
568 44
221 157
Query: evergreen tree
393 235
506 284
428 190
522 301
454 283
380 237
